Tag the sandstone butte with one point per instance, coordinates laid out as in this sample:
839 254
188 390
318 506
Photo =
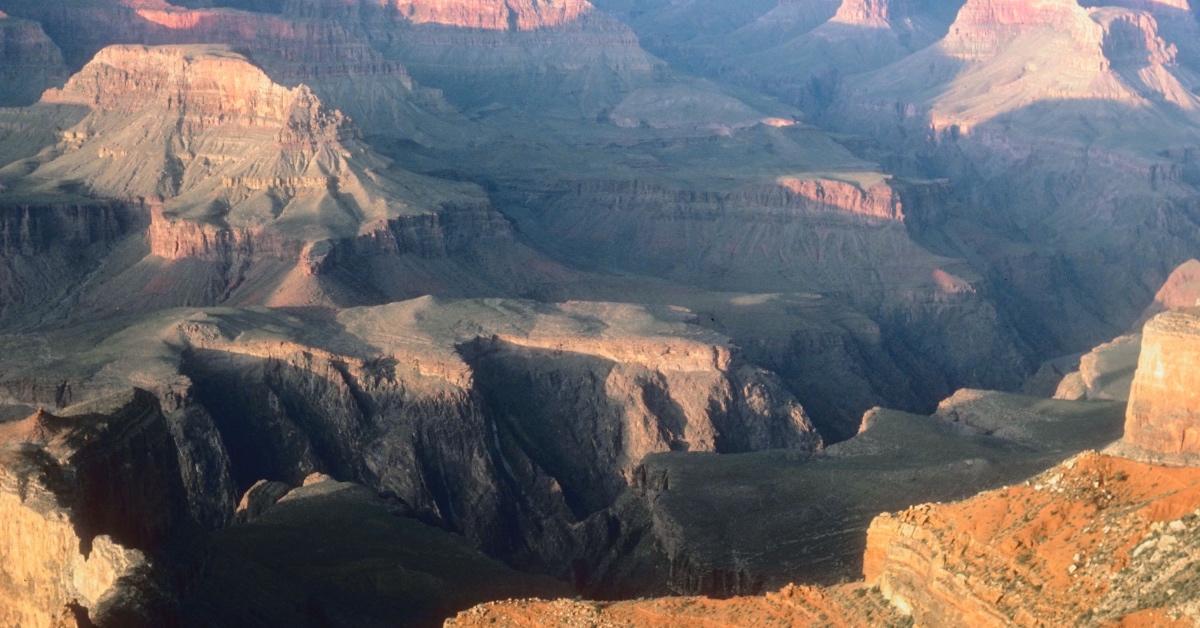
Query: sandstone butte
1163 419
1099 540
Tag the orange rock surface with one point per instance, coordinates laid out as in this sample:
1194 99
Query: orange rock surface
1181 290
1164 403
844 606
1089 540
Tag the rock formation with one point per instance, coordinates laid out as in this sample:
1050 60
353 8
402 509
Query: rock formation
86 496
29 61
510 422
246 191
1181 290
498 288
1107 371
810 511
331 58
843 607
1095 540
523 15
561 56
1164 407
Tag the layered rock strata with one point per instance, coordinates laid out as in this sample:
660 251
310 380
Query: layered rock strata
329 56
248 191
1164 402
512 423
564 57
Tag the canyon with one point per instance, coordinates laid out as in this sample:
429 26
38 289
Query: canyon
366 312
1096 539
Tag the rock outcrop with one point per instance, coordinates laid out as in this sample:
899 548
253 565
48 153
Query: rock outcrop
512 423
247 191
810 511
524 15
330 57
95 533
1164 403
842 607
1096 540
87 497
1181 290
1107 371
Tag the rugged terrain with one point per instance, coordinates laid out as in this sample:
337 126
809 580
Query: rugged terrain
640 188
192 178
512 423
1095 541
618 298
1098 539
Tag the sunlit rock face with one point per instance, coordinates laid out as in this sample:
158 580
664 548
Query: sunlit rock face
1092 539
491 15
1164 404
1180 291
85 497
230 175
983 26
329 56
1046 52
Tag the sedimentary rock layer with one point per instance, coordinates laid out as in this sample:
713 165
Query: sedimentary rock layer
1164 403
513 423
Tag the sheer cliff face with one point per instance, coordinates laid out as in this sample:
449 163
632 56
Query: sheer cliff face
489 15
510 422
71 545
1164 406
